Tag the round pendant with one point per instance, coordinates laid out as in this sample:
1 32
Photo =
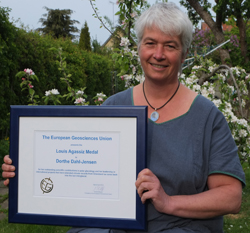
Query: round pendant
154 116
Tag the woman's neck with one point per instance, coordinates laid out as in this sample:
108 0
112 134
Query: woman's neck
159 90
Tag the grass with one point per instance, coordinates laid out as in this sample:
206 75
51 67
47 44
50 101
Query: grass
5 227
232 223
240 222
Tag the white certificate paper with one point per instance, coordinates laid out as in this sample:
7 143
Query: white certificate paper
77 166
63 158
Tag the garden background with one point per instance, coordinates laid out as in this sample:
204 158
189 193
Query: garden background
68 65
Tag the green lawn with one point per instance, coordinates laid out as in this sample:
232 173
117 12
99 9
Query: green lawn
240 222
232 223
6 227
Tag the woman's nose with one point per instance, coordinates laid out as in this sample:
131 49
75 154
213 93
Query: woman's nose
159 53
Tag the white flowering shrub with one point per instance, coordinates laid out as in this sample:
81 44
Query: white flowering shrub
129 62
99 98
226 98
27 76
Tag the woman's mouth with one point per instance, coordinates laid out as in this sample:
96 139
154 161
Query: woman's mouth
158 66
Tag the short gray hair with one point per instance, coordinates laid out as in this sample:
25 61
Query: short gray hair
169 19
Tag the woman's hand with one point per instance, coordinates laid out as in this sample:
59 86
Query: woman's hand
149 187
8 169
222 197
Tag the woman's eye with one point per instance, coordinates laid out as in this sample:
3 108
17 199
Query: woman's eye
170 46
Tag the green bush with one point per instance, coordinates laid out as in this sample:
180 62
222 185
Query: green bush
4 150
20 49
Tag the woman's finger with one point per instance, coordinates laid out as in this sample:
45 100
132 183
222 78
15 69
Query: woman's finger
8 174
8 168
7 159
6 182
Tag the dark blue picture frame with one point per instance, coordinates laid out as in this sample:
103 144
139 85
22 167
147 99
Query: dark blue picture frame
138 112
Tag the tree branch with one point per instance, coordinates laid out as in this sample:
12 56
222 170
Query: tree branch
99 17
205 77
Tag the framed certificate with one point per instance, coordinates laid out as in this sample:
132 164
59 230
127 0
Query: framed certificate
77 165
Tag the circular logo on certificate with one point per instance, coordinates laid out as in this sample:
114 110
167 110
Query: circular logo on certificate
46 185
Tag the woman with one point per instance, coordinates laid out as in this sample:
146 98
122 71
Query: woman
194 175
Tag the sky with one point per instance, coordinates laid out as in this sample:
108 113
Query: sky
28 13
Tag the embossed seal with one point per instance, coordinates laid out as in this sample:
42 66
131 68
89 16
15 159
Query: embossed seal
46 185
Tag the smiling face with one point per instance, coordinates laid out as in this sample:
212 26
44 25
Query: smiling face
161 55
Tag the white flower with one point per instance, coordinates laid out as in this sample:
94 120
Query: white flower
196 87
205 93
52 92
231 87
236 70
196 67
124 41
79 92
29 71
189 81
55 92
217 102
206 83
234 118
140 78
126 49
242 122
182 76
245 91
134 53
100 95
211 68
223 77
242 133
211 90
79 101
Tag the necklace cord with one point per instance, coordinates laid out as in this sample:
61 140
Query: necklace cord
163 104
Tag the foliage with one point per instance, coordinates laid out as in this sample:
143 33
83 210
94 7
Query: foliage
8 65
204 41
99 98
224 10
84 42
4 150
192 14
240 11
27 76
21 49
202 38
58 23
128 11
96 47
228 98
128 61
235 8
35 51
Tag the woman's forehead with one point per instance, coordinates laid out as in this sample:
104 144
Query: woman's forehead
153 29
153 33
